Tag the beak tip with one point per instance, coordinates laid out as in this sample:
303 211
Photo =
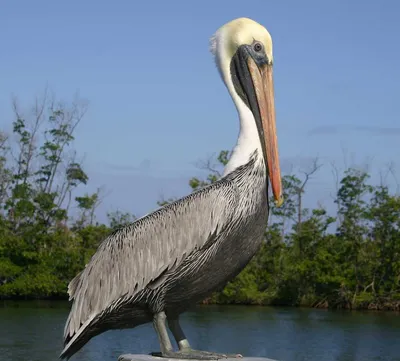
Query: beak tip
279 202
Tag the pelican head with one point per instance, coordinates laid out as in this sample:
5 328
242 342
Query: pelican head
243 54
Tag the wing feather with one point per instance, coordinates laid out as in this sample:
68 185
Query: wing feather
134 256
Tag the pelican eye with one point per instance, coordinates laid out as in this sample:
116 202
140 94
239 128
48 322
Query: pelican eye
257 47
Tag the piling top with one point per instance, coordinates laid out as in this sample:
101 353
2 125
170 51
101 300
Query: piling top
140 357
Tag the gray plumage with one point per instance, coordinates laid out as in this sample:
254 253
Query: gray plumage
172 258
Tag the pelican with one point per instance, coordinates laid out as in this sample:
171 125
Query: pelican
155 268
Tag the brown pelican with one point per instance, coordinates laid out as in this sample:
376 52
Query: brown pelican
157 267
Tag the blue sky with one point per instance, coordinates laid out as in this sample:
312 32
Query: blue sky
157 104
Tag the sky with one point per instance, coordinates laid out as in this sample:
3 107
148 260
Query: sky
157 105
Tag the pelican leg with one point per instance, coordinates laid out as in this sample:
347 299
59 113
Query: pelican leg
162 333
185 350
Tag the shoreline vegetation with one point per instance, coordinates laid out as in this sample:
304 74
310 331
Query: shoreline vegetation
62 301
48 227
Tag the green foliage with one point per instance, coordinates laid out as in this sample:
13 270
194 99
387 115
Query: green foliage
356 266
309 258
41 247
119 219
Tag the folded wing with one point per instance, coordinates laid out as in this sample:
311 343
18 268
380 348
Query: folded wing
135 255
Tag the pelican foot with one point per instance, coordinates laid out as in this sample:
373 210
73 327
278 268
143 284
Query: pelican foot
190 354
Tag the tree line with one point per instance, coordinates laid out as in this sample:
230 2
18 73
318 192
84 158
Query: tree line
350 259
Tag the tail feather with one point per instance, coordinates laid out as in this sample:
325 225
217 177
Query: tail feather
74 343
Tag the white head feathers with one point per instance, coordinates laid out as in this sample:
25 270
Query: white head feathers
235 33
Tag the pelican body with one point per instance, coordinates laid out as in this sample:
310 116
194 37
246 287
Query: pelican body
155 268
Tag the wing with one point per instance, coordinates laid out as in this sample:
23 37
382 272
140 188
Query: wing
135 255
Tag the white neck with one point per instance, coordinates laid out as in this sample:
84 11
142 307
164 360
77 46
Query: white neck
248 140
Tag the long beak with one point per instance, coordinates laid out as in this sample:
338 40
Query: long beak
264 89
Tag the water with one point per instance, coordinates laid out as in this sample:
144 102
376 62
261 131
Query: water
32 333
